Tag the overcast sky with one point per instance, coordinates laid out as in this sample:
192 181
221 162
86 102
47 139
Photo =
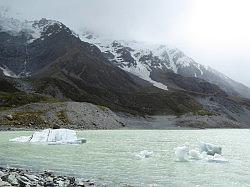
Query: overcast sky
212 32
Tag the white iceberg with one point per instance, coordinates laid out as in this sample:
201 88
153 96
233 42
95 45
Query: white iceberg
182 153
205 151
51 136
210 149
21 139
195 155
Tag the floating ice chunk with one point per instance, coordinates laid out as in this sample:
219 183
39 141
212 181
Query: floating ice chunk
52 136
145 154
194 154
41 136
182 153
210 149
21 139
206 151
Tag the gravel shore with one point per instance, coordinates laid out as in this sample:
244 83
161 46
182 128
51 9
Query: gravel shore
74 115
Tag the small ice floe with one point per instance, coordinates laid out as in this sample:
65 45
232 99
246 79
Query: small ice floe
21 139
182 153
205 151
145 154
51 136
210 149
195 155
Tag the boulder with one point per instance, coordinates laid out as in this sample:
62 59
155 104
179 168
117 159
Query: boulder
31 177
10 117
2 174
4 184
12 179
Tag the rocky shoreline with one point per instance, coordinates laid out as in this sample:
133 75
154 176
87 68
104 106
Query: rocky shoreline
22 178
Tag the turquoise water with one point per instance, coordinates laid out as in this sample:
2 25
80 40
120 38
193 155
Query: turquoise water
109 157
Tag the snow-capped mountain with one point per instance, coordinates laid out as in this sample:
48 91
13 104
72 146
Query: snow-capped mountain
31 29
150 61
47 57
19 41
154 63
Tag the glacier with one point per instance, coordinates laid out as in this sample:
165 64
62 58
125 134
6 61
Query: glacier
51 136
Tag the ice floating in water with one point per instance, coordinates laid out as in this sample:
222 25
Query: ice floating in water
144 154
210 149
194 154
51 136
206 151
21 139
182 153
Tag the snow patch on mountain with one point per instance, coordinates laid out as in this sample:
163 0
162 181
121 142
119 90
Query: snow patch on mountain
134 52
144 73
141 58
7 72
33 29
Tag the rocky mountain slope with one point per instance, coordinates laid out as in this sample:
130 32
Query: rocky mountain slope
45 61
150 61
56 62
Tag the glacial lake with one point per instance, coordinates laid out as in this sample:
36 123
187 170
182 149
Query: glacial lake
110 158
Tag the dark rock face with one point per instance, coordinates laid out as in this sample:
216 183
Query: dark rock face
6 85
154 61
108 55
13 51
125 56
187 83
